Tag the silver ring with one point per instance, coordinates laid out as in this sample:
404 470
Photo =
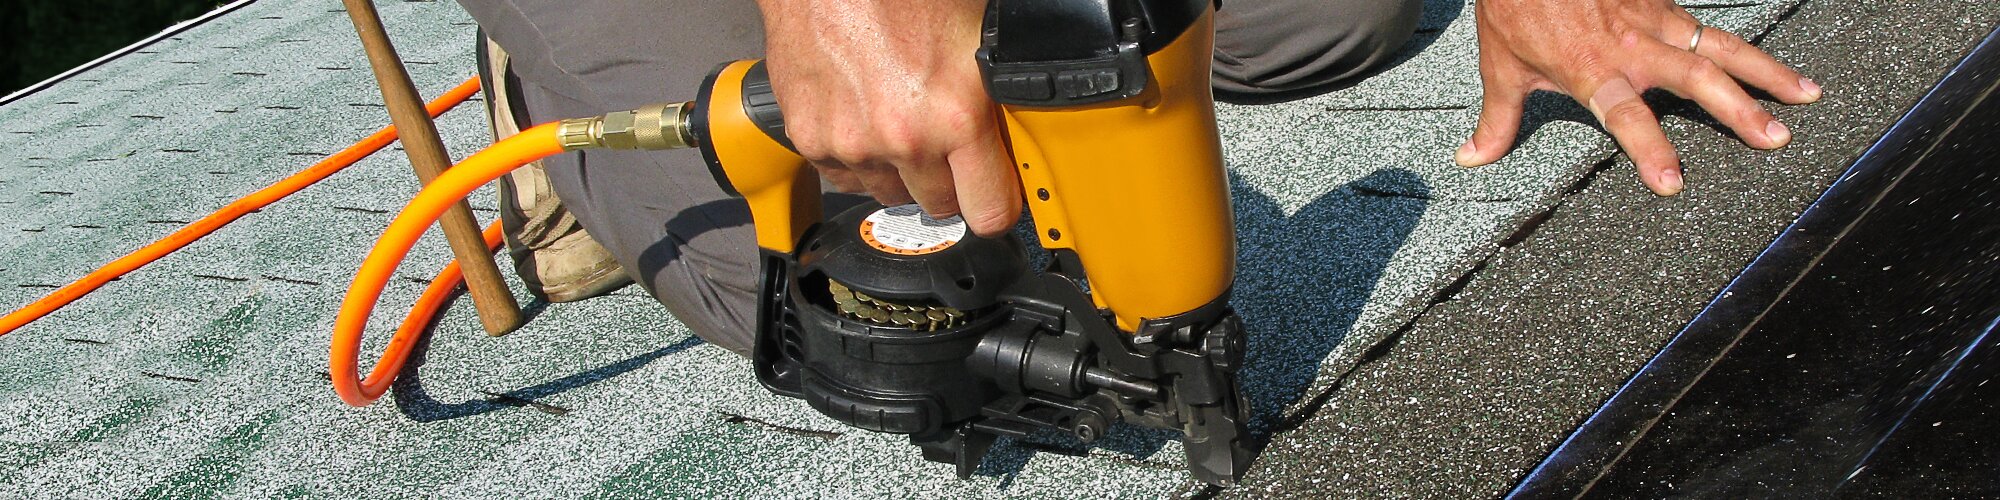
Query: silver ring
1696 42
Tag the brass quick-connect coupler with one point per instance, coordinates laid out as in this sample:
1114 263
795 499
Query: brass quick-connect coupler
654 127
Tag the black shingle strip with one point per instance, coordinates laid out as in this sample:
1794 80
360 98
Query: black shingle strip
294 281
505 399
796 431
1382 193
171 377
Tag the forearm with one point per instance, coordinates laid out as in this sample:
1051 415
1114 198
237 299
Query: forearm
881 26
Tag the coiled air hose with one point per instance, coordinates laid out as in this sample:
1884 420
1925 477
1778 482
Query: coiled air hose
229 213
423 211
662 126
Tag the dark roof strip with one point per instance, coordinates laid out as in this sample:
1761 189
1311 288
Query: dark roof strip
176 29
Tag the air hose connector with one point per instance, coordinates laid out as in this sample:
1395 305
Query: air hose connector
653 127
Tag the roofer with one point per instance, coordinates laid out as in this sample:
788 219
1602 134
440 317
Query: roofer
884 97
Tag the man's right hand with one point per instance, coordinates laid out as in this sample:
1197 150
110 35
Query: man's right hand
884 97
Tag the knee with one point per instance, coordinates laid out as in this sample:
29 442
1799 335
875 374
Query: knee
1266 49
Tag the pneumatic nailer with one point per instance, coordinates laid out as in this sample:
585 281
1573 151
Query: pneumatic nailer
888 320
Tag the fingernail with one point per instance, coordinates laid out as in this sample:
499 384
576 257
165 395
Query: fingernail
1812 89
1465 154
1778 134
1670 183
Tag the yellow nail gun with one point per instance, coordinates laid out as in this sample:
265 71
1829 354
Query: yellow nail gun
888 320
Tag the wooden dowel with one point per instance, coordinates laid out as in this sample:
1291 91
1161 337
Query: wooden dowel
497 310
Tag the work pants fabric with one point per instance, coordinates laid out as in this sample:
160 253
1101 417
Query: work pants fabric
688 243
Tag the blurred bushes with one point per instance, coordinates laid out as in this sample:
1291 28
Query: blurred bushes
41 38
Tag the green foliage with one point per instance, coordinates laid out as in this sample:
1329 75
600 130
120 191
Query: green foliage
42 38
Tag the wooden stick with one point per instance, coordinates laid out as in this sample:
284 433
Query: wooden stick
497 310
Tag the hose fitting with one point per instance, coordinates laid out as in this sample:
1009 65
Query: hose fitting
653 127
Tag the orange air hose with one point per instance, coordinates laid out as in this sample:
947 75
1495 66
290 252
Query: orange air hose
513 152
413 329
414 325
229 213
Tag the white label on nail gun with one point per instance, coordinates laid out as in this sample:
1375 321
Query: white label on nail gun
907 230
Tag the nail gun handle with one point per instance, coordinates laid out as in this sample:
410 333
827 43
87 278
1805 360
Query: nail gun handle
742 136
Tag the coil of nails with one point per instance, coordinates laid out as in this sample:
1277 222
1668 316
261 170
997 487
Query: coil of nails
881 312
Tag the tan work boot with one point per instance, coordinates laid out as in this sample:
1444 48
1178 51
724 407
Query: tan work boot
552 253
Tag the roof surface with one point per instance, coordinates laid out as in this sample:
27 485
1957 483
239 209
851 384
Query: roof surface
1418 328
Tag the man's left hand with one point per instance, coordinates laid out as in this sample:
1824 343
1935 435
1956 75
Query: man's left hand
1603 53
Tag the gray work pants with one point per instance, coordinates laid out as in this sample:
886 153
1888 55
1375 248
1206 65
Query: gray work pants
690 245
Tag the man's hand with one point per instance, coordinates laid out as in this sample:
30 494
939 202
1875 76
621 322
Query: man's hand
1603 53
884 96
